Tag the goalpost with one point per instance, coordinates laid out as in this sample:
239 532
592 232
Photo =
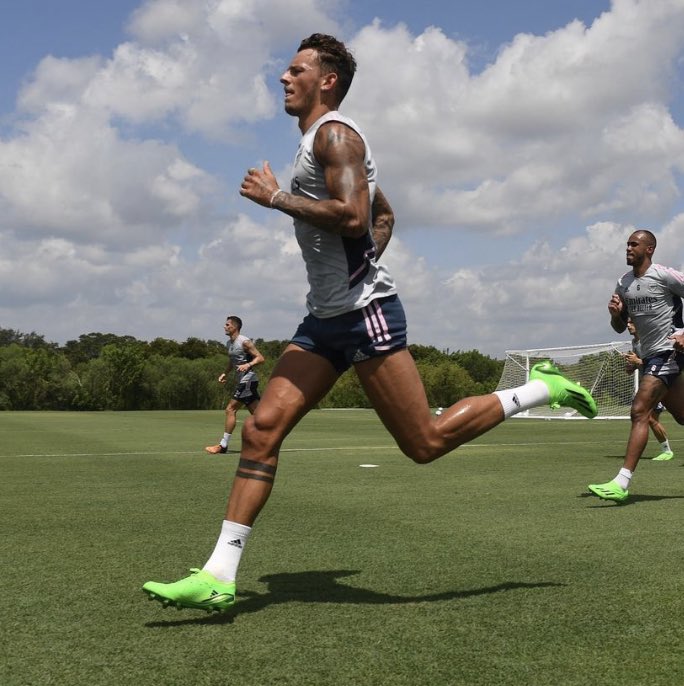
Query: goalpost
600 368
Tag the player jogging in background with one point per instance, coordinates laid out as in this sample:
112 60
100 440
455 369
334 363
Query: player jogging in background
242 357
342 222
634 364
650 295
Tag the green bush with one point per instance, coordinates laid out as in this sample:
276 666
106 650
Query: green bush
109 372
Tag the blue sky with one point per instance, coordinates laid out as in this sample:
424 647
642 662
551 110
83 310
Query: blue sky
519 143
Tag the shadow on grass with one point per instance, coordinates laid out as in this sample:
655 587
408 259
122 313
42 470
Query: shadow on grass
631 500
323 587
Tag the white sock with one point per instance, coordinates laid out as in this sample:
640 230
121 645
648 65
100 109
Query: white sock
225 439
665 445
225 559
623 478
514 400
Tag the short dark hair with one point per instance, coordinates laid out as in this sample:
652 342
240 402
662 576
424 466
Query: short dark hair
235 319
333 56
650 237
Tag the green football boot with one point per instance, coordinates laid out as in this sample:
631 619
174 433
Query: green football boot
609 491
563 392
199 591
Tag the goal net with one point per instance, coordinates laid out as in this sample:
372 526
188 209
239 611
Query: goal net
600 368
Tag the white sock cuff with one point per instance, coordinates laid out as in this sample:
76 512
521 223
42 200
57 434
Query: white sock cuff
224 561
514 400
235 529
623 478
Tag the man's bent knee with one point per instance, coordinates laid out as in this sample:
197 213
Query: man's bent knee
260 438
423 453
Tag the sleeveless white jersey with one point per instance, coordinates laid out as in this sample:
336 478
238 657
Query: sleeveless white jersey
342 272
654 304
238 355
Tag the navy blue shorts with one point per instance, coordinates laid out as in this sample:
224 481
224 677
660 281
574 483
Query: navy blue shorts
373 331
246 392
666 365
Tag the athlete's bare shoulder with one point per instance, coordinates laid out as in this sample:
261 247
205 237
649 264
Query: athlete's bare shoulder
336 141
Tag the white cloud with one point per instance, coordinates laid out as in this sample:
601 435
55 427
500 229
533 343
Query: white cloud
577 118
69 172
58 81
60 286
205 64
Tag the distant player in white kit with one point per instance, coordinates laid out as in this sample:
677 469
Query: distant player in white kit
650 295
355 318
242 357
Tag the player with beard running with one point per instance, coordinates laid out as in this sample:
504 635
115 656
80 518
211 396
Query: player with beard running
650 295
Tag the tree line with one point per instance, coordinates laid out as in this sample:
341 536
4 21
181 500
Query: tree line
103 371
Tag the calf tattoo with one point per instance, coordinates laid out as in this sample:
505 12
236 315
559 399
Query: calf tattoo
267 471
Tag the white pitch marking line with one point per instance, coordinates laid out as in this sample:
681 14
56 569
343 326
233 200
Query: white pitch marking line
318 449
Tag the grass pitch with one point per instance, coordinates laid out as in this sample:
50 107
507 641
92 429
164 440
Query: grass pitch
490 566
